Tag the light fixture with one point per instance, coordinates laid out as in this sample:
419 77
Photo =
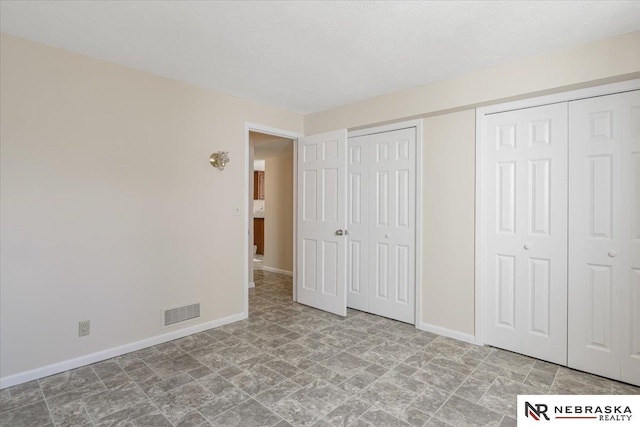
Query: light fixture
219 159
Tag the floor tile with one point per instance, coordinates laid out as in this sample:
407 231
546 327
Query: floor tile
430 400
472 389
501 396
101 404
192 419
462 413
247 414
154 419
294 413
68 381
387 396
278 392
440 377
415 417
167 367
379 418
347 413
178 402
319 397
21 395
34 414
124 416
223 403
257 380
71 414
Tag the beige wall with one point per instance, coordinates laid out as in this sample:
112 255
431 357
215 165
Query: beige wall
278 223
448 194
449 153
110 210
605 61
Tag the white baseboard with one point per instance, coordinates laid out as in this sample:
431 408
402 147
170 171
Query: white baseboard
99 356
278 270
252 284
449 333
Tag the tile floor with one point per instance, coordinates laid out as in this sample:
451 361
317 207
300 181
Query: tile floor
290 365
258 261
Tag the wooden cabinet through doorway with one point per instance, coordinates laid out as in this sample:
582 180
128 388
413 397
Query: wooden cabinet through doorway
258 235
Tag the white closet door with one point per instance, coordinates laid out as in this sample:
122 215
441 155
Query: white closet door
595 235
630 370
525 265
358 224
382 224
321 245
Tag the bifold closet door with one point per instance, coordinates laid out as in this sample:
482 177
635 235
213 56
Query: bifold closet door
604 236
381 224
525 230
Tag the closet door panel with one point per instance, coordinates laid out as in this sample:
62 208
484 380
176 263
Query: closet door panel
595 235
381 224
504 208
630 328
544 233
358 224
525 166
392 227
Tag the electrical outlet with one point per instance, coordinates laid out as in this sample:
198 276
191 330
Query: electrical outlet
84 328
237 211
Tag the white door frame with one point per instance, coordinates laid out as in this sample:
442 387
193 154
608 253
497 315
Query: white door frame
419 161
591 92
249 127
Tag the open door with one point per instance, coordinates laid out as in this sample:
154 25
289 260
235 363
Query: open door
322 217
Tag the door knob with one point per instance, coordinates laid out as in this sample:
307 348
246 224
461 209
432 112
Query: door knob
612 254
339 232
526 247
386 236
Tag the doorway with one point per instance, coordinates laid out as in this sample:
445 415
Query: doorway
269 208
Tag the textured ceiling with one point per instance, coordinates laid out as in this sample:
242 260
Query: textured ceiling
310 56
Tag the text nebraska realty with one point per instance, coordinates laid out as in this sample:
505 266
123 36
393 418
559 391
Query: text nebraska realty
601 413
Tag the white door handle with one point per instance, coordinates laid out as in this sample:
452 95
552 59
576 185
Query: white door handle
526 247
612 254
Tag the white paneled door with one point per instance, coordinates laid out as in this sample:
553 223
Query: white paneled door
321 239
604 236
381 223
630 369
525 230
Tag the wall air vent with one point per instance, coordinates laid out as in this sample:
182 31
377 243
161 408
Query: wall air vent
180 314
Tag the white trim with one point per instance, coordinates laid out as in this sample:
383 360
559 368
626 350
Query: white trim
479 235
419 189
418 125
449 333
568 96
99 356
385 128
295 220
278 270
573 95
248 126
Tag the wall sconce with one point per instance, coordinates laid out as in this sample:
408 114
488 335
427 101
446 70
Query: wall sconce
219 159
